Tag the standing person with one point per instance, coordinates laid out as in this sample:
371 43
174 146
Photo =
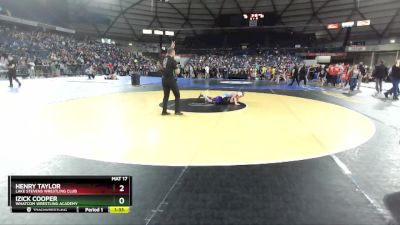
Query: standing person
273 73
295 76
253 73
339 75
361 67
225 72
206 72
322 75
191 72
285 72
348 75
263 72
303 72
281 73
90 72
379 74
331 75
311 72
12 71
395 77
354 74
344 76
267 73
170 69
336 71
110 68
318 69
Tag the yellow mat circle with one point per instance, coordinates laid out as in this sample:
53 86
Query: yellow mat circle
128 128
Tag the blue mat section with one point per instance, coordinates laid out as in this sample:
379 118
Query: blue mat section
150 80
216 84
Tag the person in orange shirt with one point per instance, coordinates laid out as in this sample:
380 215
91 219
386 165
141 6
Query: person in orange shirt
335 74
331 75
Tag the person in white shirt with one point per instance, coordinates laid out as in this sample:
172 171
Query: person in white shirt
90 72
207 72
31 69
191 72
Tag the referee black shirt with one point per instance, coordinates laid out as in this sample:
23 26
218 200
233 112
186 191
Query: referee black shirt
170 65
13 63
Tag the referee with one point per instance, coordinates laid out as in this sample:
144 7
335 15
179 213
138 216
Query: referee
12 71
171 68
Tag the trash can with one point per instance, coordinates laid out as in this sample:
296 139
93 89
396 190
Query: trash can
135 79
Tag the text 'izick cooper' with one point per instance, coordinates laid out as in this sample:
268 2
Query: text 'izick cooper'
36 198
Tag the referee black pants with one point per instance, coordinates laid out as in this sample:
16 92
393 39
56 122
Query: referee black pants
295 78
168 85
303 78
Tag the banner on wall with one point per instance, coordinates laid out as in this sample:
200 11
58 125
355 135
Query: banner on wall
323 59
356 48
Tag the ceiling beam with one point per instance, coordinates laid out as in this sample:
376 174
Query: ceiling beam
188 8
129 24
347 19
254 6
274 7
220 10
283 12
315 15
276 12
146 18
120 14
240 8
188 14
151 23
390 23
215 17
315 12
186 18
156 15
207 9
286 8
96 28
82 7
131 28
371 26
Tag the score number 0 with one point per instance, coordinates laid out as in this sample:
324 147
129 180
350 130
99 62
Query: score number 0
122 199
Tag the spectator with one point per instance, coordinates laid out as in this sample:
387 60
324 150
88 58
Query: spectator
379 74
395 77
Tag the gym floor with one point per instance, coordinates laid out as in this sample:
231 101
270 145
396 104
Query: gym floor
286 155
